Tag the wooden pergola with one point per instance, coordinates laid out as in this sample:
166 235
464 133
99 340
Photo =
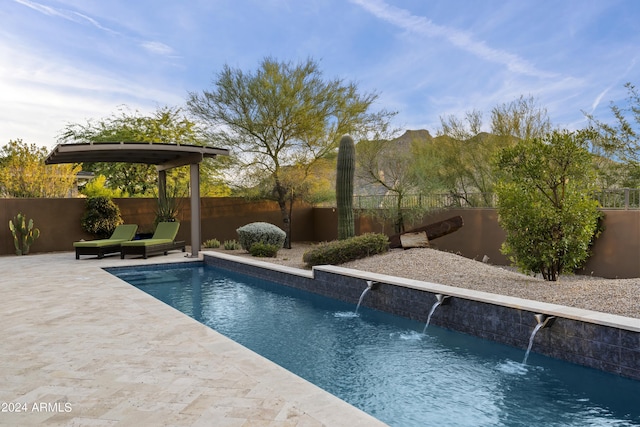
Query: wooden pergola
163 156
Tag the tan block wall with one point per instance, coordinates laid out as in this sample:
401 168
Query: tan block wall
59 219
615 254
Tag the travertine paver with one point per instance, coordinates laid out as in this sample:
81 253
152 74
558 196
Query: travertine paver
83 348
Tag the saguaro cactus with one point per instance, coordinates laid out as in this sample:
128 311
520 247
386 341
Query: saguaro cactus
344 187
23 233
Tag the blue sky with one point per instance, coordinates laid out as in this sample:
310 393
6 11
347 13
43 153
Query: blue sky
67 61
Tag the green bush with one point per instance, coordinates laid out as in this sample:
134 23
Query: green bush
545 203
101 217
211 243
231 245
341 251
260 232
264 250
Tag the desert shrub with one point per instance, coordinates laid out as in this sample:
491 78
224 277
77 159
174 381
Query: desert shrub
211 243
545 203
101 217
231 245
341 251
263 250
260 232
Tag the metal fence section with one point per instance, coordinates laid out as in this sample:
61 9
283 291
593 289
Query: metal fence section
426 201
619 198
622 198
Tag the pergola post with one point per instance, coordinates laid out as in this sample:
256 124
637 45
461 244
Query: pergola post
194 170
162 186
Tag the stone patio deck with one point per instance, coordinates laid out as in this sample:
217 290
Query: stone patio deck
80 347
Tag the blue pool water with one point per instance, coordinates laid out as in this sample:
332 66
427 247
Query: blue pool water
384 365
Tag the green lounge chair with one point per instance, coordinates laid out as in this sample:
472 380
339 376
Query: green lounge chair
162 241
101 247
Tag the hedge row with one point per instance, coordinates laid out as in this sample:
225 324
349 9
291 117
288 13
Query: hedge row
341 251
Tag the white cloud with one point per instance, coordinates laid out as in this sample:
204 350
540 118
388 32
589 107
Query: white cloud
154 47
461 39
598 99
41 8
39 95
63 13
157 48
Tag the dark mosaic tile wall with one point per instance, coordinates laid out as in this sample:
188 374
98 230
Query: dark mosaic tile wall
609 349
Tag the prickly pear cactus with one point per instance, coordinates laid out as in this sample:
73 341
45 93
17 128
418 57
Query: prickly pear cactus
23 233
344 187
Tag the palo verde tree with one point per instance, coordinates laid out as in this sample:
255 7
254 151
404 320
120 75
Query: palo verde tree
545 202
24 174
166 125
281 116
459 159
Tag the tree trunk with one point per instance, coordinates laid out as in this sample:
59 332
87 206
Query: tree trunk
435 230
286 221
399 222
281 194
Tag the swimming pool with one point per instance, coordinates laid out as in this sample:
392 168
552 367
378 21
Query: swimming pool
384 365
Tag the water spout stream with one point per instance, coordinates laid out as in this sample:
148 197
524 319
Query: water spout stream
440 299
367 289
544 321
531 338
433 308
361 298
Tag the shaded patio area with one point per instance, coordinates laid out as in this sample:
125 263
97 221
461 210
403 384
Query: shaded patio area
163 155
86 348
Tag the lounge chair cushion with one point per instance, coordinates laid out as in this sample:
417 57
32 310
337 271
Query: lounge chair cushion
165 232
122 233
147 242
98 243
162 241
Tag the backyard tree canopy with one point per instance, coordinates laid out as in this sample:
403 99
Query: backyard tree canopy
459 159
24 174
284 117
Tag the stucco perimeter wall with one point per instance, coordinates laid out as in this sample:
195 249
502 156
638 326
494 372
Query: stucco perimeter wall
59 219
219 216
597 340
615 254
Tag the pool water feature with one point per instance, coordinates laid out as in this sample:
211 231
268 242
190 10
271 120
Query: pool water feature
440 299
542 322
370 286
382 364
